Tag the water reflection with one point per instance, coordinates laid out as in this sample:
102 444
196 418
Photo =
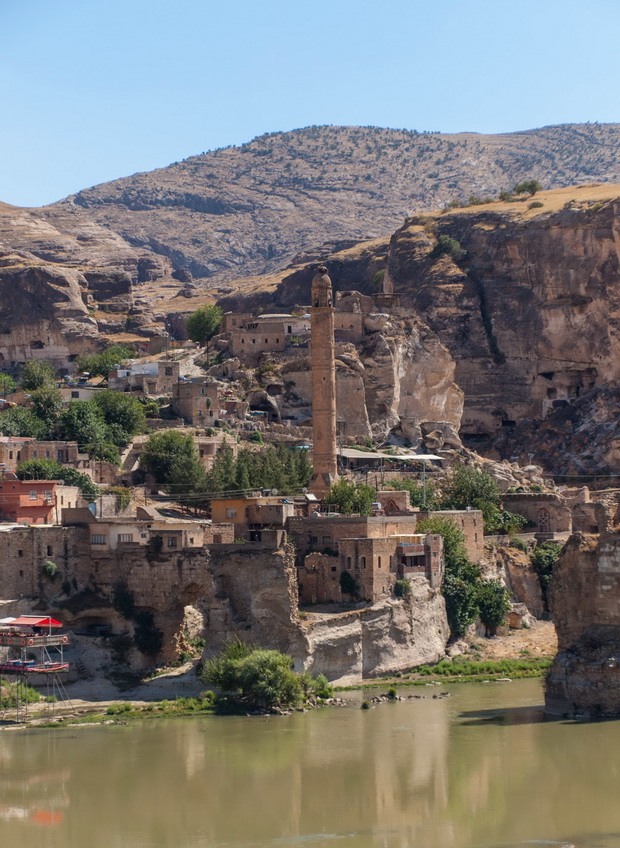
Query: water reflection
480 769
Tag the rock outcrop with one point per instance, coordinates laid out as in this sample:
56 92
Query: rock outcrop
585 605
398 381
390 636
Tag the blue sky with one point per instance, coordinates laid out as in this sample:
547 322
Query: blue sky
92 90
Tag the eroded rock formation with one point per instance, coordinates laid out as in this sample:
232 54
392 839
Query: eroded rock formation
585 605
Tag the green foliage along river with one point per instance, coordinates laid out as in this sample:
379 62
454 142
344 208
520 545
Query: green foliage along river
478 769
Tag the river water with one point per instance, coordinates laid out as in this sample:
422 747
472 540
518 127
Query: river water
480 768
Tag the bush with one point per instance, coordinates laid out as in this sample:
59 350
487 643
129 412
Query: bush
351 497
259 678
49 569
519 544
365 705
544 558
506 196
448 246
37 373
402 588
535 205
348 584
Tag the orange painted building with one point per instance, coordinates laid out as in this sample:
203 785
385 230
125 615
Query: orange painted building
27 501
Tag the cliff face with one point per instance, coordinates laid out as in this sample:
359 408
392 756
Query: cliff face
387 637
584 600
399 379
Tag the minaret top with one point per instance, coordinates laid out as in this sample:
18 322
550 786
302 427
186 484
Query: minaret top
322 288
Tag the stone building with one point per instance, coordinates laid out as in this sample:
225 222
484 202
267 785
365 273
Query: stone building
152 379
250 337
196 400
548 513
372 566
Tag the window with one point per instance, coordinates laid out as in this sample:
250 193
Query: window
34 454
62 500
191 540
172 542
97 540
168 372
363 562
20 553
34 495
75 393
50 552
202 391
327 540
125 537
348 562
231 512
379 561
48 495
10 454
217 538
21 573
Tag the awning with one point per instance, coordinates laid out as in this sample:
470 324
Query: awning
31 621
351 453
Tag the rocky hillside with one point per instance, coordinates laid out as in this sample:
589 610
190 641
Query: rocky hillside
250 209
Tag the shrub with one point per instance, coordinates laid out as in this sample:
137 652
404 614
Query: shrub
493 604
392 693
544 558
448 246
123 496
519 544
348 583
256 437
402 588
365 705
259 678
535 205
529 186
49 569
506 196
377 280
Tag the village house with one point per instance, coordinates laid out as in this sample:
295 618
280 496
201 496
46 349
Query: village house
35 501
196 400
151 379
268 333
372 567
147 528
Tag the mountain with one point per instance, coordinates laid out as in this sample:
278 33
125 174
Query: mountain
248 210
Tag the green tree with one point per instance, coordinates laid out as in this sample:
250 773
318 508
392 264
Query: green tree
529 186
173 460
37 373
461 576
100 364
19 421
544 558
351 497
48 469
82 421
416 492
7 384
47 405
470 487
446 245
203 324
493 604
124 411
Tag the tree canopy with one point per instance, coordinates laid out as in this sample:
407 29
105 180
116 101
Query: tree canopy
99 364
351 497
37 373
529 186
48 469
173 460
204 323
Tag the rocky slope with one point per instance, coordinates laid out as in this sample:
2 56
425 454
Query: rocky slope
250 209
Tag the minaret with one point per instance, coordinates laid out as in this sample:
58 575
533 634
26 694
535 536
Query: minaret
323 368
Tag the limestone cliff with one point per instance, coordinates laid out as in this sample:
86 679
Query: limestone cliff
584 599
146 600
390 636
398 380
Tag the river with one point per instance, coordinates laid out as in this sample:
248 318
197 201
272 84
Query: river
480 768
